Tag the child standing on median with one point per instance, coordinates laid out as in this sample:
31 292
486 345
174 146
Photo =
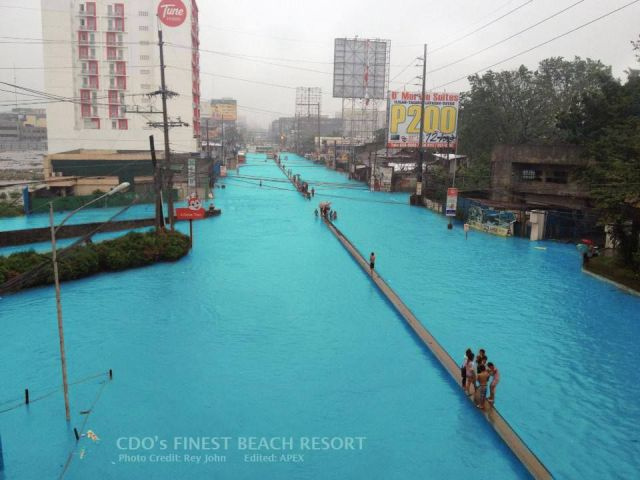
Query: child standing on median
494 382
372 262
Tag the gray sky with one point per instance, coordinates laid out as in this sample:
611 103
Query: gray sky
299 34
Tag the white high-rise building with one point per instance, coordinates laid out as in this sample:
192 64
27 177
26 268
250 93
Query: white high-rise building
104 56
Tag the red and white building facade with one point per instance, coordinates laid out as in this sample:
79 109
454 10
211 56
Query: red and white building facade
103 56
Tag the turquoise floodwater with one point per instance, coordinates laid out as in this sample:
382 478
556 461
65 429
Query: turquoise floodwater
269 329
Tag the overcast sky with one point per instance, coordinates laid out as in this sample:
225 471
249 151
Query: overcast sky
299 34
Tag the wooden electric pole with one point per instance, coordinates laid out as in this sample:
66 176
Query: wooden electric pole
420 142
157 186
165 127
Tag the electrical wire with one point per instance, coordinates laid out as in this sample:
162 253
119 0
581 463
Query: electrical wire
559 12
568 32
442 47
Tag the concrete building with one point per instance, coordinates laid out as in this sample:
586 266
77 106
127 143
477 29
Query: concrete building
538 176
23 129
81 172
104 55
303 129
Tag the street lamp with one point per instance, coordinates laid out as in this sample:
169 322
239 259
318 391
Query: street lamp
54 259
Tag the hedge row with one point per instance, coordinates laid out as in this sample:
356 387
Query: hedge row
129 251
10 210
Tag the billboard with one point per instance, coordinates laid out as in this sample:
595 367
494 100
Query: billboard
440 121
225 108
360 68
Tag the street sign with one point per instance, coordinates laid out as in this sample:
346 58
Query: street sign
452 201
193 211
191 173
186 214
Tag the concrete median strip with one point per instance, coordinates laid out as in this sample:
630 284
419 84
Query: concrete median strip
530 461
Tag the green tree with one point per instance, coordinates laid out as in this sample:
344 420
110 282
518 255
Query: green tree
606 123
521 106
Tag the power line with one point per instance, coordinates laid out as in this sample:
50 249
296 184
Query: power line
246 58
257 82
611 12
404 69
482 27
559 12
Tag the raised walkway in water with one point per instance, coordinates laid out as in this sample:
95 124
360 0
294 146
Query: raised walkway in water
520 449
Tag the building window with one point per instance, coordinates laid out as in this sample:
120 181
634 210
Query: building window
559 176
143 14
92 53
145 86
92 38
145 71
92 123
123 124
120 37
110 22
110 10
144 57
84 67
112 68
94 111
530 175
114 124
143 28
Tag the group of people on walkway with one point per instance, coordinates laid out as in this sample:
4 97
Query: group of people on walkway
476 372
326 211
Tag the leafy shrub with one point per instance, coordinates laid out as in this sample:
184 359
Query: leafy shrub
9 210
129 251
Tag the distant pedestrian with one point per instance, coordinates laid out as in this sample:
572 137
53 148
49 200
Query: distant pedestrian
335 215
372 262
313 192
495 373
315 212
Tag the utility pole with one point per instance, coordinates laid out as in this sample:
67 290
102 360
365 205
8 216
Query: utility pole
157 186
165 127
420 141
319 145
206 123
63 356
224 162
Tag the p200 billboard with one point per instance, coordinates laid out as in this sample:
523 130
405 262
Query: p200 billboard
440 120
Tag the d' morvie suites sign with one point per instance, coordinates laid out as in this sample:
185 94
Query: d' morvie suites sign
172 12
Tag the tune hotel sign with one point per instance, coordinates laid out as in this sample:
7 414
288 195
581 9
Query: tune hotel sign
172 12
